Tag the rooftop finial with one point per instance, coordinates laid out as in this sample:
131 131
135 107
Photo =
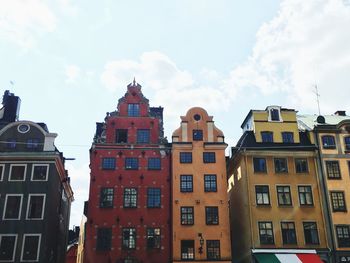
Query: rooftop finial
134 82
318 99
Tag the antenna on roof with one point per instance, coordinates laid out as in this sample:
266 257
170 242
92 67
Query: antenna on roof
318 99
12 83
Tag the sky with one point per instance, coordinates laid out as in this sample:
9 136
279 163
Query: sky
70 61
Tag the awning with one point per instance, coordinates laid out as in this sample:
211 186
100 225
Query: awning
287 258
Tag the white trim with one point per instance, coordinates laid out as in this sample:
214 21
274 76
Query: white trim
3 171
25 171
42 210
312 196
269 108
285 251
47 172
23 124
14 248
20 207
38 250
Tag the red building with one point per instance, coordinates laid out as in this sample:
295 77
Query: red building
128 212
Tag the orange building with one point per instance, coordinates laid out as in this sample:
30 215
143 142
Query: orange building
200 225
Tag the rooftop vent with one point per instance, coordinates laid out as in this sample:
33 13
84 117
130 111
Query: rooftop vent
340 113
321 119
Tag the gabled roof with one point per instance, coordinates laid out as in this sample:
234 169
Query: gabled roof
309 122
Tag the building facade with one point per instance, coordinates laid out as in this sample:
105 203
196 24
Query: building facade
200 219
128 215
331 134
35 194
276 209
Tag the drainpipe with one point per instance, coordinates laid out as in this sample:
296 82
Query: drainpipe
328 217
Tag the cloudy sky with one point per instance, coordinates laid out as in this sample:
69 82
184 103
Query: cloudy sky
70 62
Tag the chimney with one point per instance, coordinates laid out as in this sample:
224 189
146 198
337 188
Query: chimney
10 107
340 113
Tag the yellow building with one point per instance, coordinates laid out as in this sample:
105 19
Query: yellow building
332 136
81 241
275 200
200 216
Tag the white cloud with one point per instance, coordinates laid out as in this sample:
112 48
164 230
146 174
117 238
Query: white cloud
22 21
167 84
72 73
305 44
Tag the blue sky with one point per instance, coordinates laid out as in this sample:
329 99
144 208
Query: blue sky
70 62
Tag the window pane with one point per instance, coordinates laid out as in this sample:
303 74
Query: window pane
154 164
210 183
40 172
153 238
267 136
121 136
13 204
287 137
186 183
133 110
143 136
311 233
153 197
259 165
106 197
209 157
31 247
185 157
104 239
301 165
17 172
213 249
131 163
36 207
187 249
281 165
187 215
328 142
129 238
333 170
108 163
7 247
197 135
130 197
212 215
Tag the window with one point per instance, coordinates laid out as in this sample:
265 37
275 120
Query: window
154 164
262 195
333 170
305 195
267 136
259 165
310 233
2 170
210 183
153 197
209 157
129 238
281 165
283 195
40 172
328 142
213 249
347 143
33 143
121 136
11 143
36 206
187 215
130 197
266 233
143 136
8 244
13 206
153 238
186 183
17 172
338 201
133 110
343 236
197 135
104 239
187 250
30 247
185 157
288 233
211 215
301 165
287 137
274 114
131 163
108 163
106 197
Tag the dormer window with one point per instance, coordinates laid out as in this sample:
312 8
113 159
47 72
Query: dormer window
287 137
328 142
267 136
274 114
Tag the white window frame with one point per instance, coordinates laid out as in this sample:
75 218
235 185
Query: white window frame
37 252
20 207
47 172
24 176
43 208
14 249
279 113
3 171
